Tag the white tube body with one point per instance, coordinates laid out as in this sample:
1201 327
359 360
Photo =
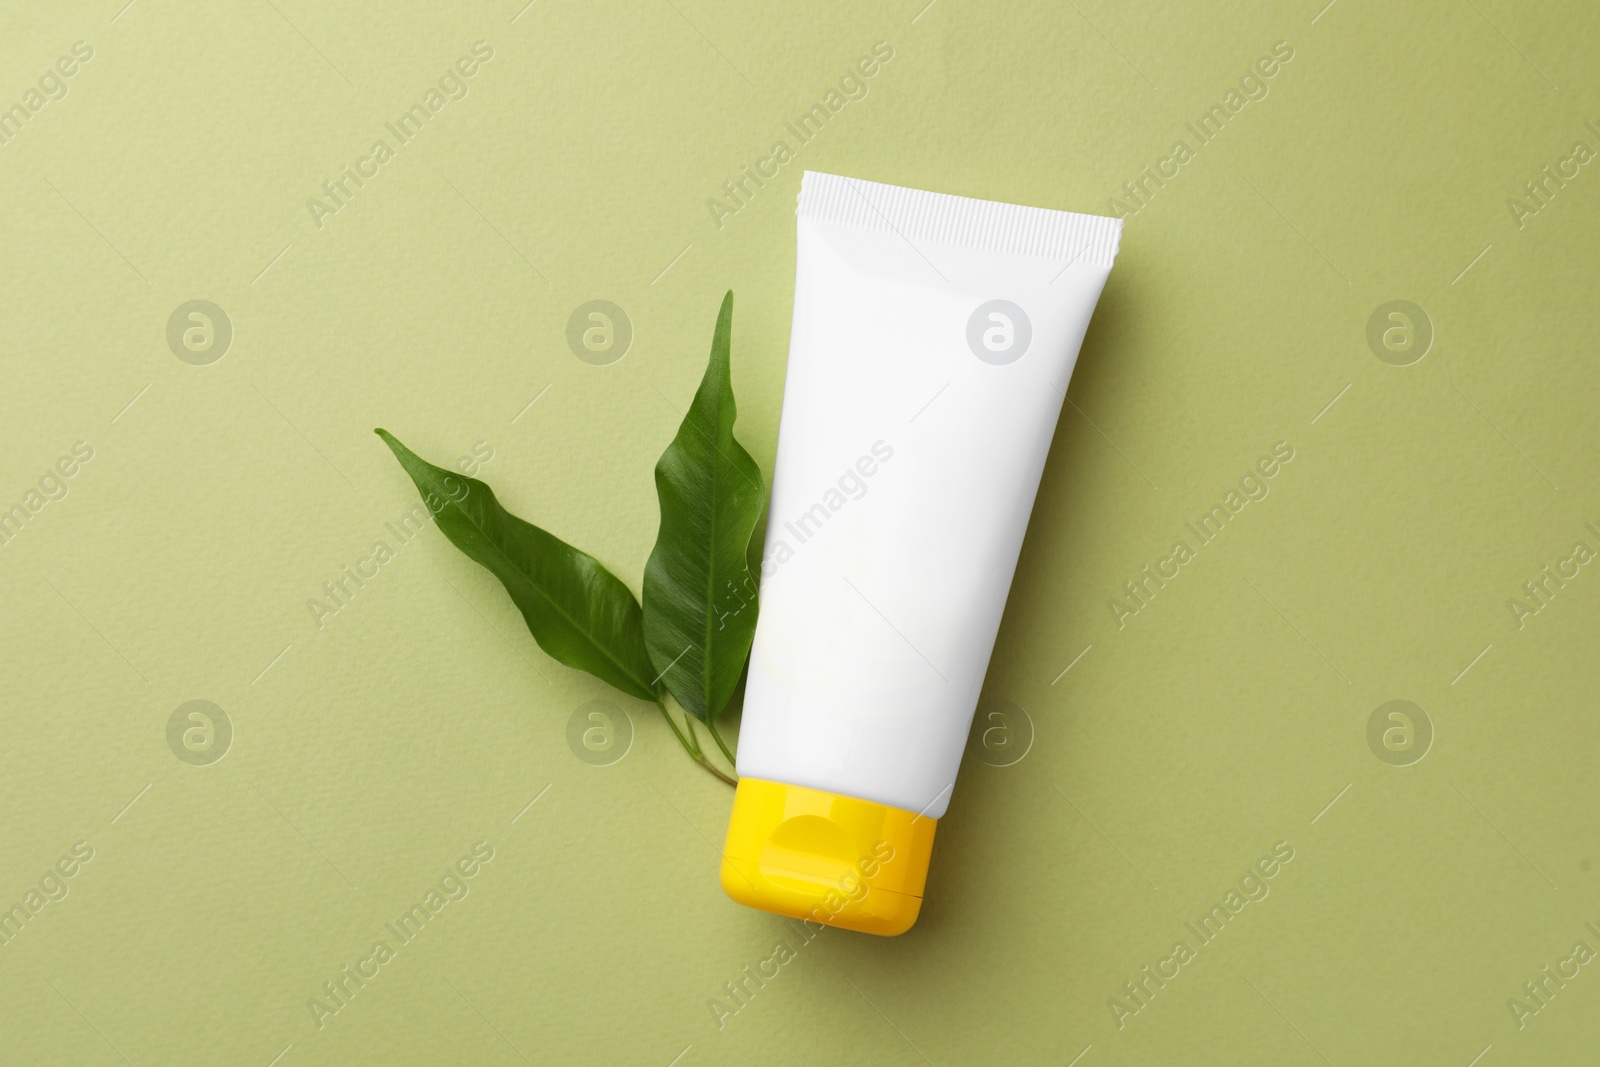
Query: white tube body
932 343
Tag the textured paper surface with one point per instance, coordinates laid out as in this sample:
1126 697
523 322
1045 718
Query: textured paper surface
1163 752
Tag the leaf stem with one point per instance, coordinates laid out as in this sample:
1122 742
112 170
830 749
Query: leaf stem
676 732
707 764
694 741
693 749
712 726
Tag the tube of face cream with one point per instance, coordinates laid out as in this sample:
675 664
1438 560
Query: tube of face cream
932 342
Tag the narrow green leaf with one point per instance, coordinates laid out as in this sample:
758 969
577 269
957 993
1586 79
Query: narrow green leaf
578 611
699 592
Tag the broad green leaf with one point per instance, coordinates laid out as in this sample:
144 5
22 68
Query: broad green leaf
699 592
578 611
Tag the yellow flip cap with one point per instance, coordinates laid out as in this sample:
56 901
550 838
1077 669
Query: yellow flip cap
832 859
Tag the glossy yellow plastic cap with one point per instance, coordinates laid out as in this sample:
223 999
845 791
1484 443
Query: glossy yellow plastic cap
830 859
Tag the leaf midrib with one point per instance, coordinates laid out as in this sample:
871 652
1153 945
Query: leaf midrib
711 580
711 533
559 610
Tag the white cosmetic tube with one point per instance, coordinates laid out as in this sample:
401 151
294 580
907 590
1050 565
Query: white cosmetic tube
932 343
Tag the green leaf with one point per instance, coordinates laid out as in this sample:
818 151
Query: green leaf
578 611
699 592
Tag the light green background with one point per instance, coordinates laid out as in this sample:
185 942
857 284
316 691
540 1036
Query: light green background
1225 717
